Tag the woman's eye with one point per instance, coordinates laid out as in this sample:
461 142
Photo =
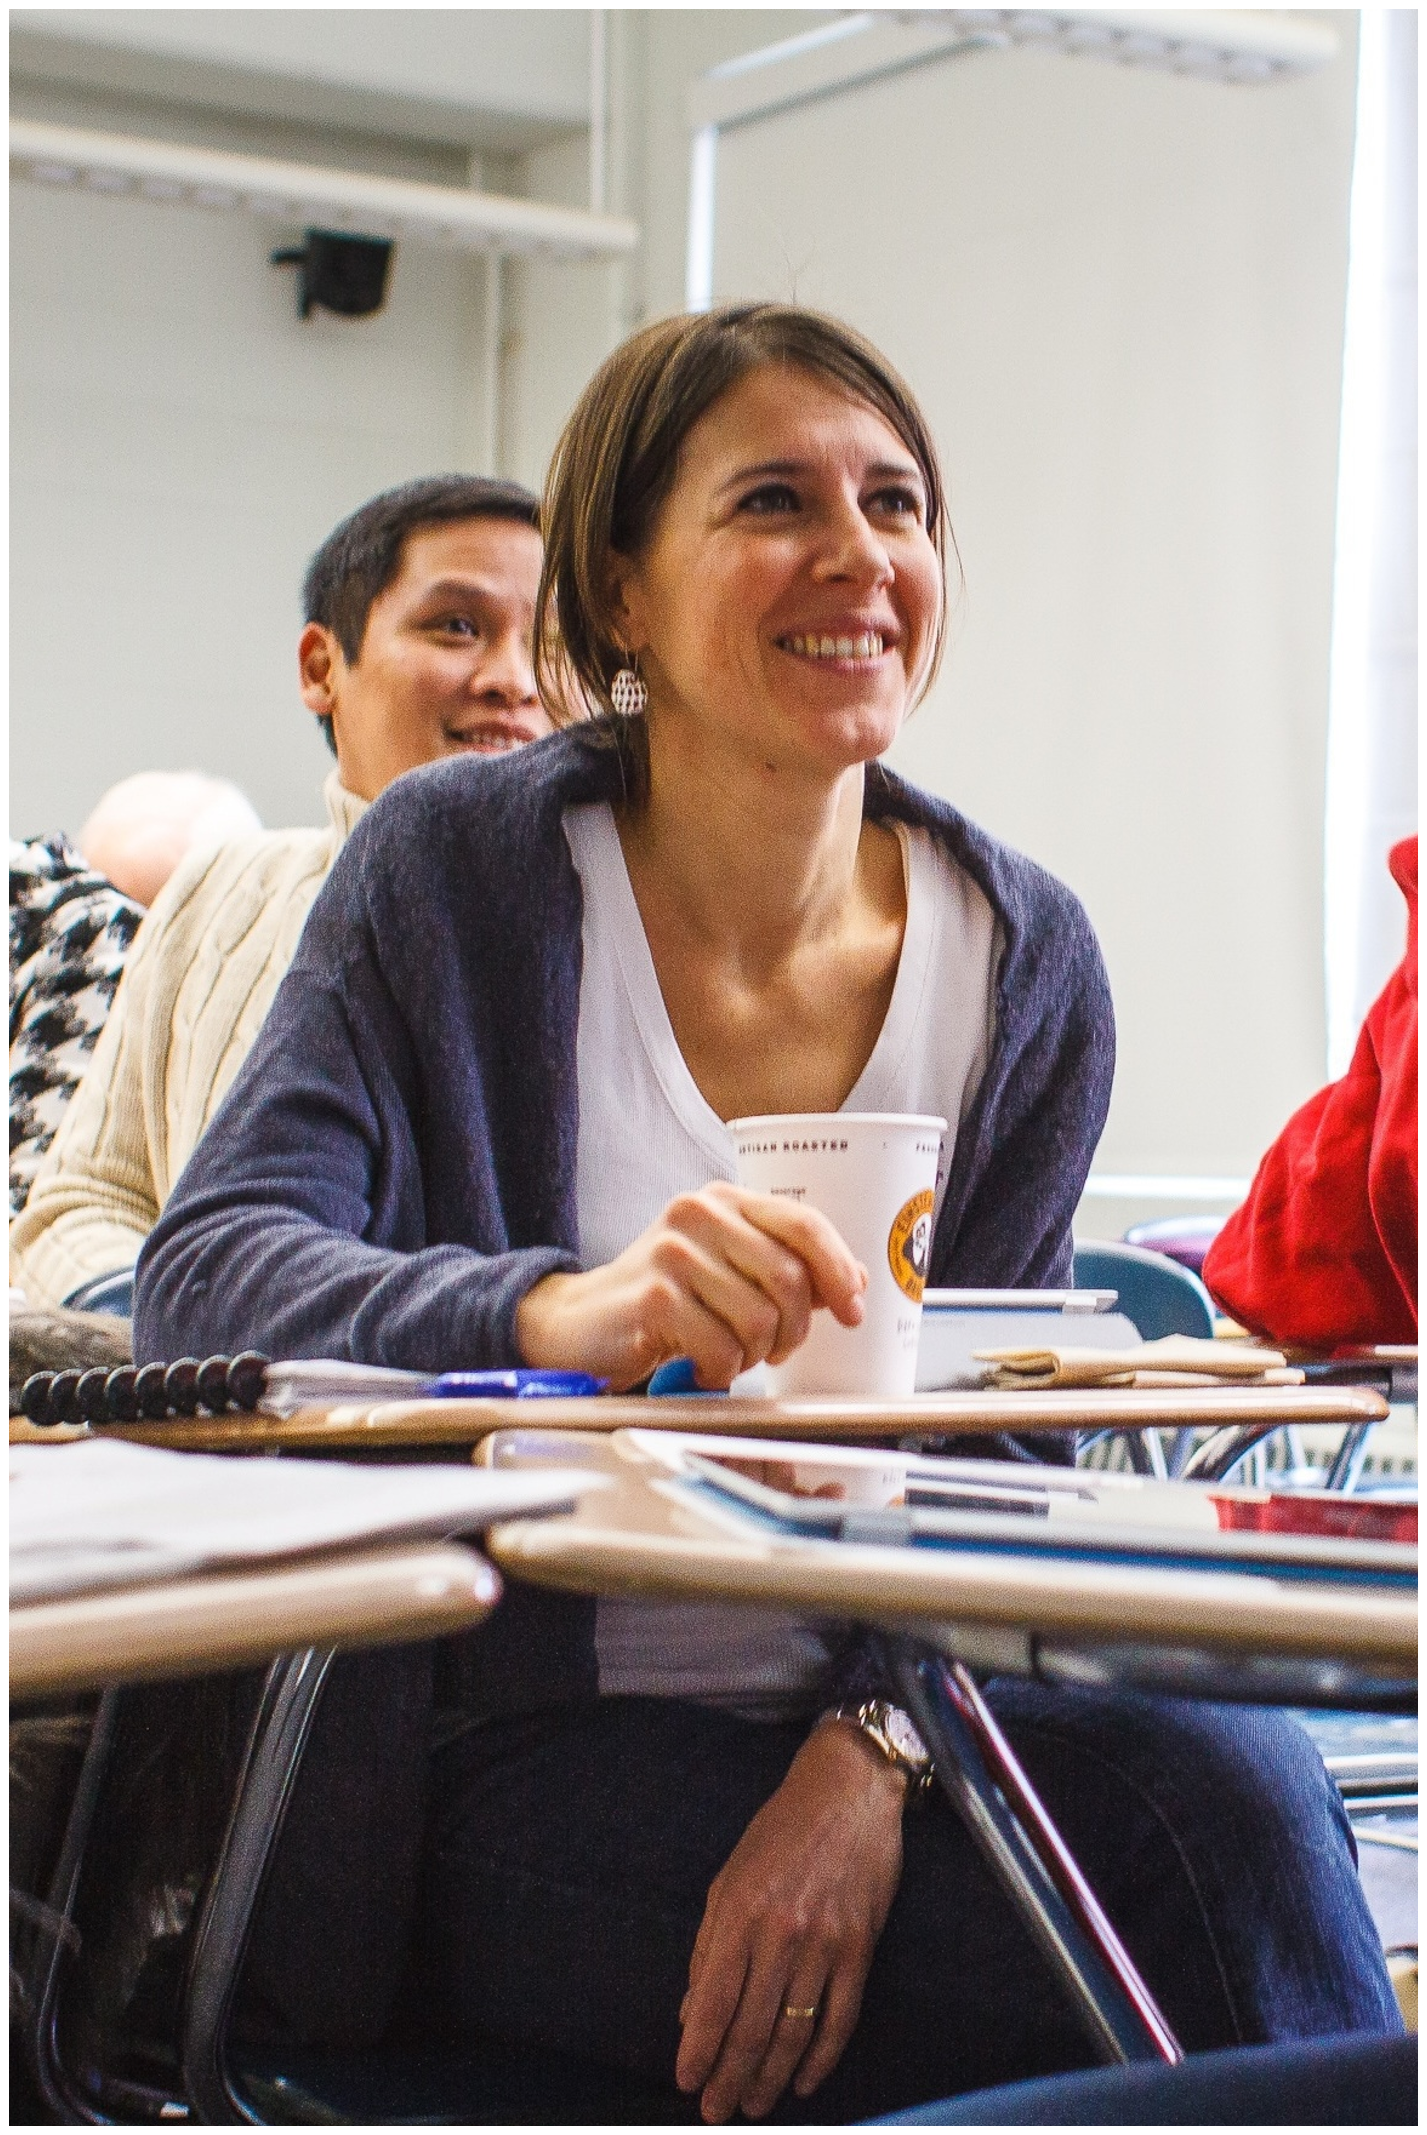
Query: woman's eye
459 626
771 497
904 503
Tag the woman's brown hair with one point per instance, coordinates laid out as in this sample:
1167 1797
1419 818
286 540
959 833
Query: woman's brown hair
619 454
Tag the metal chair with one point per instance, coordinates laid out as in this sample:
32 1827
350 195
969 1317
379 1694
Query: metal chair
42 1953
105 1293
198 2074
1161 1298
1159 1295
99 2055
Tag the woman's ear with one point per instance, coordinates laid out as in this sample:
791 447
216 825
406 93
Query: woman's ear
625 604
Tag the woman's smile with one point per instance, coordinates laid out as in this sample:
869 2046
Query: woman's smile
839 648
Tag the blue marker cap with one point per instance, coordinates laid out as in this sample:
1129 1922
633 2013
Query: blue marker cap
677 1377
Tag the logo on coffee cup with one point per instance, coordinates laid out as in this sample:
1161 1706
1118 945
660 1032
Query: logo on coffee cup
909 1245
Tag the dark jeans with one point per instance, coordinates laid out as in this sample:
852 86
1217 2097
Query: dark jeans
1327 2083
570 1855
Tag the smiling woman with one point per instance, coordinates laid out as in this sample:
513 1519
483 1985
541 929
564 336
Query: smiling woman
618 461
664 1838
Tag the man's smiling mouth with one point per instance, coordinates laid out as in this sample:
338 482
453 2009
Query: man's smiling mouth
489 739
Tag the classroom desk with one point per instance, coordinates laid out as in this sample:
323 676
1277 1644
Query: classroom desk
356 1427
230 1619
1027 1615
938 1613
295 1613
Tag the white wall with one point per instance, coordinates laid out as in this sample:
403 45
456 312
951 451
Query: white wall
562 321
1121 297
1373 695
180 443
180 440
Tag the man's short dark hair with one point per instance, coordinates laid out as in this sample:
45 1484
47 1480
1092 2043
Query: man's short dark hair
360 558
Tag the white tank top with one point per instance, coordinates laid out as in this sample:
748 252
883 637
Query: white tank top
647 1133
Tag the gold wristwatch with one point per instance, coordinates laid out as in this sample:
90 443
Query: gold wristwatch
893 1732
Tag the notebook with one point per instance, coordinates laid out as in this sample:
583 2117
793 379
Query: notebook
102 1513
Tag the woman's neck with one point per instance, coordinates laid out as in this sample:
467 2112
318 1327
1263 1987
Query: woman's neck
774 917
752 859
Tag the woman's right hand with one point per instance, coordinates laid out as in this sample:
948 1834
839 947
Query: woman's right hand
726 1277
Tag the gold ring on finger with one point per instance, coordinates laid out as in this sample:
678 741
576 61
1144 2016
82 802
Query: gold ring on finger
796 2015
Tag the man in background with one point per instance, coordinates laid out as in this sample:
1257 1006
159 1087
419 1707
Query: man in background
75 907
416 645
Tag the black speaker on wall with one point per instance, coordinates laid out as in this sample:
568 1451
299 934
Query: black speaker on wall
340 273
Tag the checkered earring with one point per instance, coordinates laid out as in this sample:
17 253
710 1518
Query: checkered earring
628 692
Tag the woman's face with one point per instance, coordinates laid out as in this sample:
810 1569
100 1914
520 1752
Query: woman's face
788 598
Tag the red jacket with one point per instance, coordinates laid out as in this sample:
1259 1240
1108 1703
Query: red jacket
1324 1251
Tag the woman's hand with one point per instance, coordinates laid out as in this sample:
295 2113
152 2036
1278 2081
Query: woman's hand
727 1277
791 1923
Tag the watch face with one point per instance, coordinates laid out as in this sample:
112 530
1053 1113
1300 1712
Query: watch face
904 1737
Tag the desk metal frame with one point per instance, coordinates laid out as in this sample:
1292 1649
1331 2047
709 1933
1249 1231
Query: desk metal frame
272 1760
276 1743
990 1791
54 1934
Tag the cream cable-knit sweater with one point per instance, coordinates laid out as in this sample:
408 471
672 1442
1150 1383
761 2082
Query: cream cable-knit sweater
199 980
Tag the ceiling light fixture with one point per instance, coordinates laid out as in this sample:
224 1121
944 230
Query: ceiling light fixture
169 173
1231 46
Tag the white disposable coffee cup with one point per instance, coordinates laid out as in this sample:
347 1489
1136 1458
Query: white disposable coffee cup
873 1175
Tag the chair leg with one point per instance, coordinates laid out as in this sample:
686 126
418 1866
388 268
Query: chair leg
1347 1467
270 1767
1222 1450
1144 1450
1181 1445
1004 1815
54 1934
1142 1446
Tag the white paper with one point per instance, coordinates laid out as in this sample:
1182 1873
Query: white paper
100 1514
311 1382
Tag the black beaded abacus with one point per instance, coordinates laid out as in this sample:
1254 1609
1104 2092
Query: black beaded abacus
135 1393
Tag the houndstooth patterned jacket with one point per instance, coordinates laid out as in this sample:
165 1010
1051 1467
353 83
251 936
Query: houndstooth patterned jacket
70 931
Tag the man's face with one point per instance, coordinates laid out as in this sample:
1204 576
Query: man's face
445 661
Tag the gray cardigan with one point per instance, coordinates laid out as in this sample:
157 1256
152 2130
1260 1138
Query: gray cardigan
394 1166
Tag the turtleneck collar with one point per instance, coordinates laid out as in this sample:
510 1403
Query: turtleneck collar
344 809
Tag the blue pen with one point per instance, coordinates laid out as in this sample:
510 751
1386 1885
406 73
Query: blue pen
519 1385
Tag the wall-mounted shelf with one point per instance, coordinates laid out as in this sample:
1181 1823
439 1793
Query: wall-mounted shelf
167 173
